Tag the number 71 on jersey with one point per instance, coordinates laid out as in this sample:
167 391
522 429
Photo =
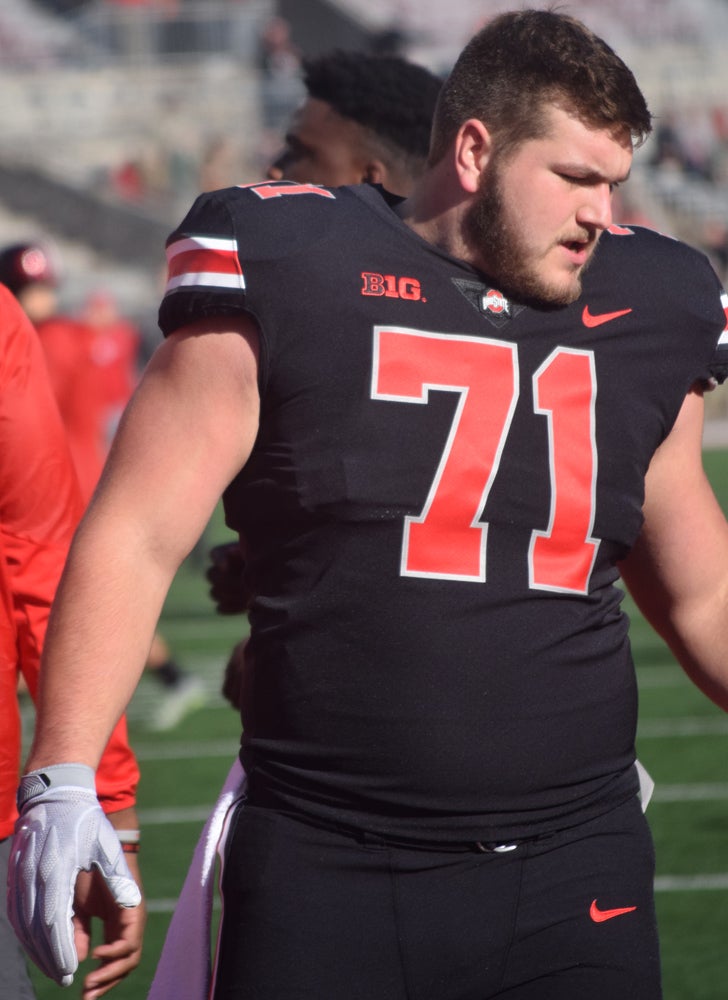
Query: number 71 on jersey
447 540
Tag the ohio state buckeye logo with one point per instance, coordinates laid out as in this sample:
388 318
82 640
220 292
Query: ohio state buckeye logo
494 302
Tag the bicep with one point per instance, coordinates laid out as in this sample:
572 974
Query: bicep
680 560
186 433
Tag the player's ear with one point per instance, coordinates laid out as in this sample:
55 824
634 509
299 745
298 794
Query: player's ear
473 147
375 172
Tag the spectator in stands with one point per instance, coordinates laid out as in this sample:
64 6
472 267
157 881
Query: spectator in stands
40 507
92 360
136 25
279 63
668 149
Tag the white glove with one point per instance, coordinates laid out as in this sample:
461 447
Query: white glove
61 830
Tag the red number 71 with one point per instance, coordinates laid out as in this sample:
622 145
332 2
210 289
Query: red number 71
447 540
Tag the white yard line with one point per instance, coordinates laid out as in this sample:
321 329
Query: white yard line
191 750
691 883
683 726
707 792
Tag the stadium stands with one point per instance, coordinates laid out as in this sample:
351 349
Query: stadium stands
120 137
441 28
129 116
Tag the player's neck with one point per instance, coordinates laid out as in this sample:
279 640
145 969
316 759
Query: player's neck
435 210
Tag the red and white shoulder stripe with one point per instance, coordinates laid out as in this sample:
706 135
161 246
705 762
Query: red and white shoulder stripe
203 262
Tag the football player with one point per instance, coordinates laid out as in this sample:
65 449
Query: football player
365 118
447 426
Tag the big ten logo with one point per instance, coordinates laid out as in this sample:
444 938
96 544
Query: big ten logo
391 286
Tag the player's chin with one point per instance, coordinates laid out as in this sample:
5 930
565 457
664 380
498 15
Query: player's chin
568 293
556 291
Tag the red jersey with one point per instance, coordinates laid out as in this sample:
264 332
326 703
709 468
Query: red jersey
39 508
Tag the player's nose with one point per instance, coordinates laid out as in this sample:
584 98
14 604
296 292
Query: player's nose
596 209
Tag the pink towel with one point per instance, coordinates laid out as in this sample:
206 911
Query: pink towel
184 971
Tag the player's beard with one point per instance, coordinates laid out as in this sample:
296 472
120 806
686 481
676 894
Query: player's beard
510 262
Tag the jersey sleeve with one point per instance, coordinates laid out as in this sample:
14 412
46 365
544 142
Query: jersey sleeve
676 285
204 274
225 257
700 311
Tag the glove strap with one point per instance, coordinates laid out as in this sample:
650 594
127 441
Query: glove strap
36 782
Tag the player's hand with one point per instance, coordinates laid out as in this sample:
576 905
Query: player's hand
61 832
121 951
225 574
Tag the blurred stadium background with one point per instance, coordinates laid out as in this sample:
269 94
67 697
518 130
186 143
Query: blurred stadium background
116 113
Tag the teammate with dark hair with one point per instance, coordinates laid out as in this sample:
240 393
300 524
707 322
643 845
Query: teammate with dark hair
446 427
366 118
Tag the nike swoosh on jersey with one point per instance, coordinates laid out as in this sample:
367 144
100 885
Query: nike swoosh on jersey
596 320
599 916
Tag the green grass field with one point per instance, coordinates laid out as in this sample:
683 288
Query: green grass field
683 741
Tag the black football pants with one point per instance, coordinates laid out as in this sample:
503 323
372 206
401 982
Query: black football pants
317 914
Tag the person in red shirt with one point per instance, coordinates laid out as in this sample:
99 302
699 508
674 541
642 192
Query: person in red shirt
40 506
92 361
91 358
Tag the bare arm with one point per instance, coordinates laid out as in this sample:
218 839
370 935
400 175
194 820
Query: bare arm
678 570
186 433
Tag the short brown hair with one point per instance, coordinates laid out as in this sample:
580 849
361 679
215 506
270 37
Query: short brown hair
521 61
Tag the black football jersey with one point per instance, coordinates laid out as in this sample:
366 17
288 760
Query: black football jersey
441 488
